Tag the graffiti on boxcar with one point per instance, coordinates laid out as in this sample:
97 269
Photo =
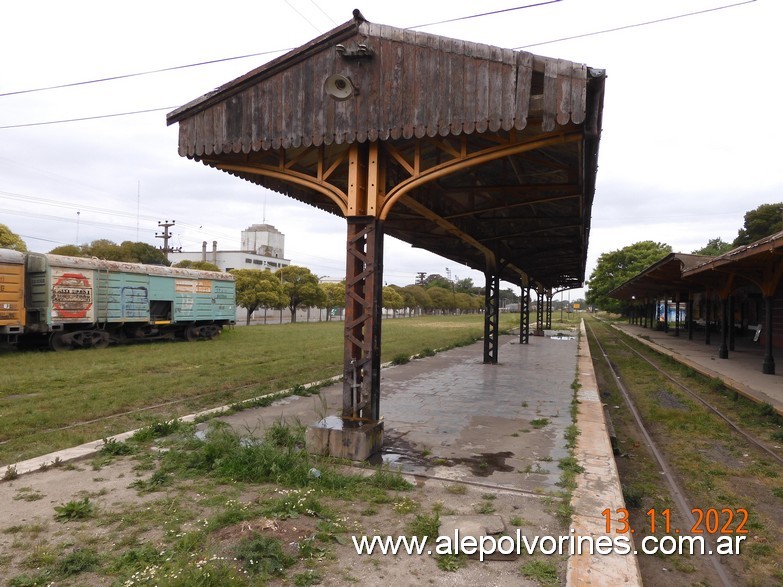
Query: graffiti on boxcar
71 296
135 302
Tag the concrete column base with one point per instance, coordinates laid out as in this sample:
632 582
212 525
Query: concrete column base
346 439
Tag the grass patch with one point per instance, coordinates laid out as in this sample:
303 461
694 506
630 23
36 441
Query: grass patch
543 572
74 510
263 555
225 371
401 359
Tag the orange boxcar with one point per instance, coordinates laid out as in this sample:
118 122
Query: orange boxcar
12 310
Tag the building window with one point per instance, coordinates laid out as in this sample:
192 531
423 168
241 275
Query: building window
248 260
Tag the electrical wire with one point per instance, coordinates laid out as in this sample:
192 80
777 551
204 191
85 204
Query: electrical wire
631 26
303 17
594 33
140 73
492 13
82 119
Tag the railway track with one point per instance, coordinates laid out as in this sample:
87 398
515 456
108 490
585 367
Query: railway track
621 359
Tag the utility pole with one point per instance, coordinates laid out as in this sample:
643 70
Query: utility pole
420 277
166 236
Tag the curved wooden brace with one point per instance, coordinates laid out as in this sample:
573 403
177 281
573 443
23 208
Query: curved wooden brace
327 189
467 161
463 162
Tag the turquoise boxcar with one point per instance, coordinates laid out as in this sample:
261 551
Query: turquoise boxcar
77 302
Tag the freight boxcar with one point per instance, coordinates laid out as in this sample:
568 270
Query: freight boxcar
75 302
12 315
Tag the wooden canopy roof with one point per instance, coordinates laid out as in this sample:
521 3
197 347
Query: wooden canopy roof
759 263
487 156
664 277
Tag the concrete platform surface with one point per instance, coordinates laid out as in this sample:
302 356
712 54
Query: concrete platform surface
741 371
497 429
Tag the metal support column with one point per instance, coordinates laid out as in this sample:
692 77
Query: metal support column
363 304
690 316
707 318
540 312
524 316
723 350
666 314
491 317
731 323
677 315
548 325
768 367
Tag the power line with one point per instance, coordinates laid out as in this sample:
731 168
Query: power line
631 26
237 57
97 117
140 73
594 33
303 17
322 12
419 26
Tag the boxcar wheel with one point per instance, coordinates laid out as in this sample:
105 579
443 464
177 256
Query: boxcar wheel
101 340
57 342
191 333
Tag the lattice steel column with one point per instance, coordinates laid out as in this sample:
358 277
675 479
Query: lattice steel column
491 318
768 366
548 310
363 304
524 316
723 349
540 310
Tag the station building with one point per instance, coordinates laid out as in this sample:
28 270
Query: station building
731 297
262 247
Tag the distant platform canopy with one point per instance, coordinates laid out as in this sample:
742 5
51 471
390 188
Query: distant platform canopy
483 155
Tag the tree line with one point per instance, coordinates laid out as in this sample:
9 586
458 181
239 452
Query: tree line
291 287
616 267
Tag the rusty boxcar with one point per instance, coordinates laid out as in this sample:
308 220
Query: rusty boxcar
75 302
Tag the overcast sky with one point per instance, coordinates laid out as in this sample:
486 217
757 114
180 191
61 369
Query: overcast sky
691 137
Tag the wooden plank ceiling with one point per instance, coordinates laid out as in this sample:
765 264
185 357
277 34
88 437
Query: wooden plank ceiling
496 149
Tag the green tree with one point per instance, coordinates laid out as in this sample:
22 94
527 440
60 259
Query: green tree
138 252
68 251
617 267
436 280
417 298
392 299
300 288
334 296
257 289
466 303
464 285
11 240
200 265
442 298
760 222
714 247
128 251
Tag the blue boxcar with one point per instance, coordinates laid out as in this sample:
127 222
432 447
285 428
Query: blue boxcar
79 302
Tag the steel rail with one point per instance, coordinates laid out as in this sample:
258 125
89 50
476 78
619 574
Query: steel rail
761 445
677 493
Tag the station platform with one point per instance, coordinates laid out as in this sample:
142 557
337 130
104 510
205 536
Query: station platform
741 371
498 431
